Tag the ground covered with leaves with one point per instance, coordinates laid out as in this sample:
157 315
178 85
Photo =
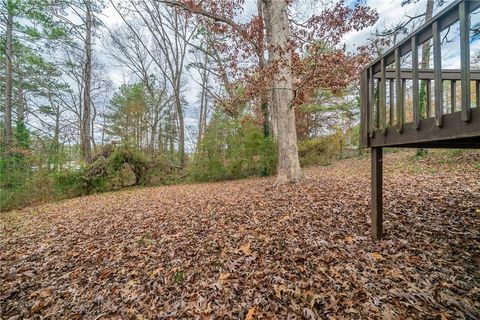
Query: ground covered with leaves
247 250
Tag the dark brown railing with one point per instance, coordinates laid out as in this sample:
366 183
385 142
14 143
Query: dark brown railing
454 119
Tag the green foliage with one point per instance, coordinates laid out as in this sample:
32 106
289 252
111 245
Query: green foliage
68 183
38 19
26 179
422 99
355 136
421 152
456 152
115 168
330 111
22 136
95 177
162 171
321 150
106 173
23 181
127 110
127 155
233 149
16 169
178 277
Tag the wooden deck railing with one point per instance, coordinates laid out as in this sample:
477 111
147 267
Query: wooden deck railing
376 131
433 125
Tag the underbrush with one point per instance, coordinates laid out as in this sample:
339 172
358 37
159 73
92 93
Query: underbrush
320 151
24 182
233 149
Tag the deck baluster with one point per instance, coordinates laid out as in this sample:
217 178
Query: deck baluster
404 93
437 65
382 104
416 107
429 99
453 95
364 107
371 105
377 106
477 90
392 103
398 91
463 14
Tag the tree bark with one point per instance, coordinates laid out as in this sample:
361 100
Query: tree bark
202 118
21 108
261 64
87 74
55 146
426 45
181 129
8 77
280 60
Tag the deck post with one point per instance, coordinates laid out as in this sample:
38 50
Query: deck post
377 192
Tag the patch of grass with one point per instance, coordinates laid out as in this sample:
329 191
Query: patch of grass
421 153
146 240
391 150
456 152
178 277
10 222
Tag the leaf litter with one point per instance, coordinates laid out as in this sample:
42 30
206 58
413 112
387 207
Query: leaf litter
248 250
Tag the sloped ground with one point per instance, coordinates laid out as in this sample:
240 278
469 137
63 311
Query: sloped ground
245 250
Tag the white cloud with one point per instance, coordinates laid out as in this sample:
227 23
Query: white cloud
390 13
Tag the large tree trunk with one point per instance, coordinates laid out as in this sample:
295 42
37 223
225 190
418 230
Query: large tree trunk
280 58
8 77
87 74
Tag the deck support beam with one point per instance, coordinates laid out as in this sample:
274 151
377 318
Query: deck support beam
377 192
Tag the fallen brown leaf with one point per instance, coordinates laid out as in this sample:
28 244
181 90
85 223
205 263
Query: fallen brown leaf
250 314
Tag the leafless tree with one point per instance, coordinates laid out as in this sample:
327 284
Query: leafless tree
170 34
